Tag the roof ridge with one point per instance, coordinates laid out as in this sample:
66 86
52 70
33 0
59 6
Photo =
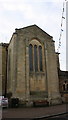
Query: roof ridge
35 26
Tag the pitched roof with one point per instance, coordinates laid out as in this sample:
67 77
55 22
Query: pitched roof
34 26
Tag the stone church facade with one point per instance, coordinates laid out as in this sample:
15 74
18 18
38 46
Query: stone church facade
32 72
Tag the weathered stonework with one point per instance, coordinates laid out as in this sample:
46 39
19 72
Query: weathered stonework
3 68
28 85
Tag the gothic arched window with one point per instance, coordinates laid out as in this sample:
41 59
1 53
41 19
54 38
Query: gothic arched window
31 57
40 58
35 58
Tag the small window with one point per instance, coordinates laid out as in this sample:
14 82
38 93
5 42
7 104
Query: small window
31 57
40 58
67 87
35 58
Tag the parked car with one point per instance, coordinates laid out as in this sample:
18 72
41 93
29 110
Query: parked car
1 100
4 102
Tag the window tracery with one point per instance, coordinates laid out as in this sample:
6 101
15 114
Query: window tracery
35 56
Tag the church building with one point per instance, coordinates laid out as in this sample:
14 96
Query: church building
31 61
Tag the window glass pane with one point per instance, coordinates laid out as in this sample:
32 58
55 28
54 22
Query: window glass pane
35 58
64 87
31 57
67 86
40 58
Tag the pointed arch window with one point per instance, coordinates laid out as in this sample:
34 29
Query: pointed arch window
31 57
35 58
40 58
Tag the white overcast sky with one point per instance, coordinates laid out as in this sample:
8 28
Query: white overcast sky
44 13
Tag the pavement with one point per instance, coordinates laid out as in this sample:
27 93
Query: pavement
34 112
